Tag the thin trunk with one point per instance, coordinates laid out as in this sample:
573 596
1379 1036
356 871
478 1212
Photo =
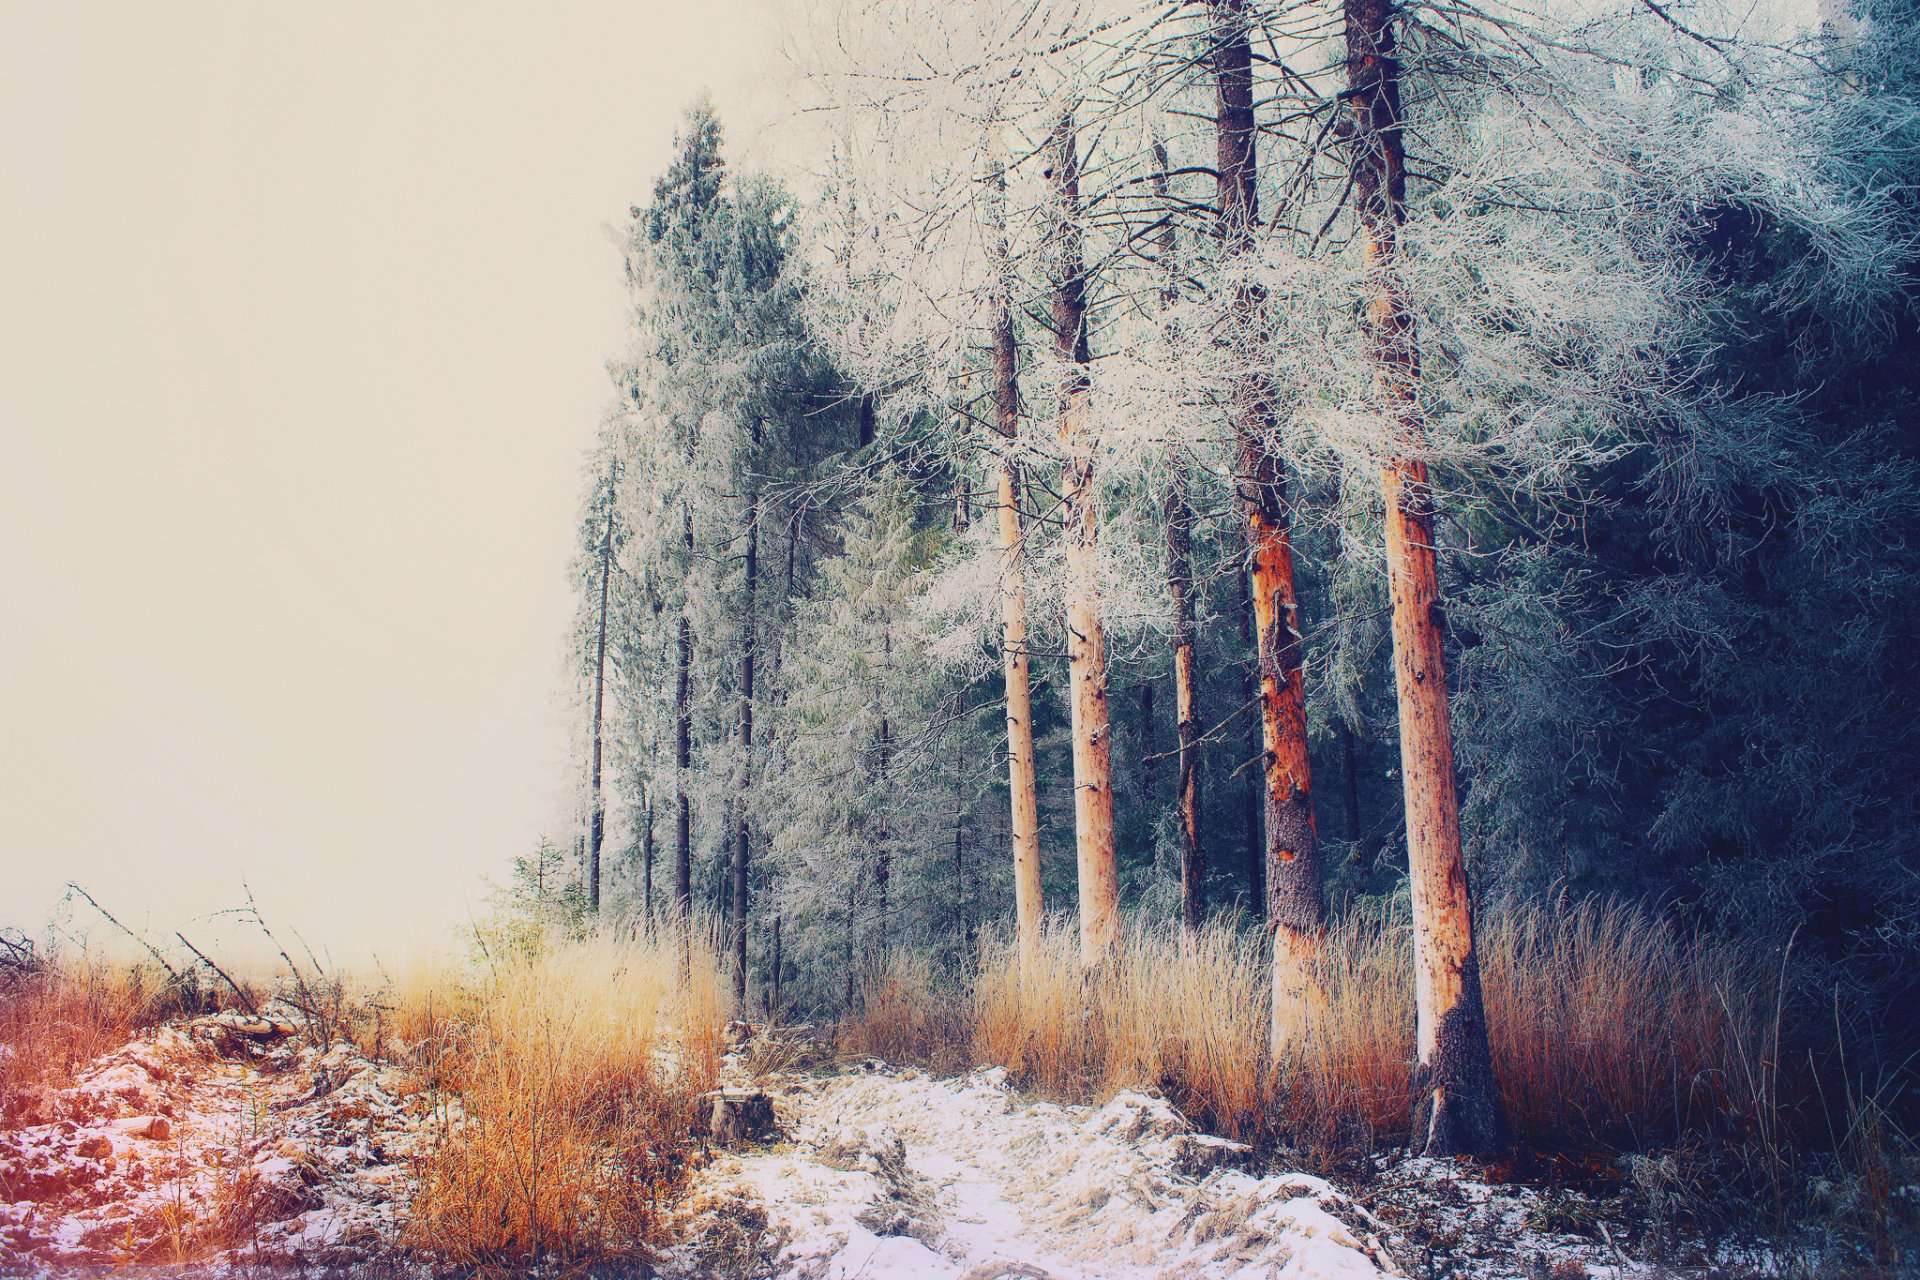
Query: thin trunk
599 828
773 985
1193 861
960 845
1456 1105
1350 767
1149 767
646 856
1256 788
1086 646
683 741
1024 819
962 490
883 841
749 644
883 851
1295 911
1179 524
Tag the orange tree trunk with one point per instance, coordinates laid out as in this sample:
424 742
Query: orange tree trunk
1296 914
1456 1105
1086 647
1029 908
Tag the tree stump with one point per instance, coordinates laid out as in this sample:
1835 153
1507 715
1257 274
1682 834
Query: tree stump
740 1116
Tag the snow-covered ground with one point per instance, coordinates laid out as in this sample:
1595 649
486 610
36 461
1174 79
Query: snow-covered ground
892 1174
238 1146
224 1139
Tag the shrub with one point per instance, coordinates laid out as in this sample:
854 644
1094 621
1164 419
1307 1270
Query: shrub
572 1074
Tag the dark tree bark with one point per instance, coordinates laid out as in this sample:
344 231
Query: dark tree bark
1178 510
749 648
1456 1104
597 831
1193 860
1295 911
683 741
646 856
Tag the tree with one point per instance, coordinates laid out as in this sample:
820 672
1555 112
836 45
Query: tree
1086 646
1457 1107
1295 909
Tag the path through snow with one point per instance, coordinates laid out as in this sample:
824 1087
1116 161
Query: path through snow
885 1175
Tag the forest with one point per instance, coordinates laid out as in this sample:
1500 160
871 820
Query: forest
1313 472
1233 639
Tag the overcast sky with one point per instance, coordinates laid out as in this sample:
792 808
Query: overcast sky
304 310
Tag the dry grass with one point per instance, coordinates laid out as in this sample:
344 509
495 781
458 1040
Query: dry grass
1610 1028
58 1014
1183 1013
908 1015
573 1075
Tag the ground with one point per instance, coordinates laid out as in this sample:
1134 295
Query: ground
231 1141
226 1137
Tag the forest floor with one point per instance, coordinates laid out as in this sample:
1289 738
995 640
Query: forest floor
880 1173
220 1142
297 1160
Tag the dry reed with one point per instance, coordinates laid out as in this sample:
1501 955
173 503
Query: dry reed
572 1076
1610 1027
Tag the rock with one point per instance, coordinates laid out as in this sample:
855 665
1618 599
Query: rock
95 1147
158 1129
740 1116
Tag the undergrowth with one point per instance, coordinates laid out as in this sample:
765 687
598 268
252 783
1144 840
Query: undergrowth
1695 1065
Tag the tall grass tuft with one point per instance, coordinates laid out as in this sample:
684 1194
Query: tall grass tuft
59 1013
571 1077
1610 1028
908 1014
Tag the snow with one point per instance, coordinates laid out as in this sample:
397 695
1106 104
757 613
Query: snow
199 1141
892 1174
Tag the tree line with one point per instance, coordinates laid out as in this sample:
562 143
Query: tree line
1502 419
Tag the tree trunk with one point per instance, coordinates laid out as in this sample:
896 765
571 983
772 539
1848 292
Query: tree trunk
1350 767
1256 788
646 857
1024 820
1086 647
883 846
749 644
1193 861
683 742
1456 1104
773 983
599 828
1178 510
1295 912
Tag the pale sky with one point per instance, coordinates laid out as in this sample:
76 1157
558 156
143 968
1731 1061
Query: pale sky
304 310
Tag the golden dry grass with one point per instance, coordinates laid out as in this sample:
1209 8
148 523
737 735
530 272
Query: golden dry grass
60 1014
1610 1028
571 1078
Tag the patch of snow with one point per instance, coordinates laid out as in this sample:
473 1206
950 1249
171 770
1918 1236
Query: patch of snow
199 1142
892 1174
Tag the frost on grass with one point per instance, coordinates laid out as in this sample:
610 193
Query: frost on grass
892 1174
223 1141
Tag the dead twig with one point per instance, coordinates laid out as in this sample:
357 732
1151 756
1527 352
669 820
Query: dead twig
245 999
